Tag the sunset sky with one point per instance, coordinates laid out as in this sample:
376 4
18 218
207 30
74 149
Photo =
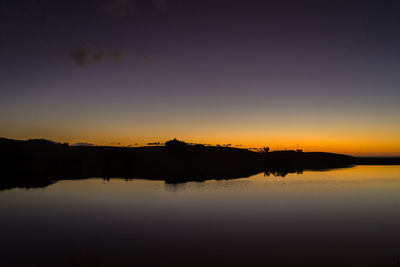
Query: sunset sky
316 75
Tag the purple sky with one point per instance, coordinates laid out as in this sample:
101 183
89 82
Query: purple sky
319 75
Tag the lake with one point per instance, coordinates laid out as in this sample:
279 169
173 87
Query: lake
340 217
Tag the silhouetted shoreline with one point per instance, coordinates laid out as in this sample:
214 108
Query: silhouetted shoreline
39 163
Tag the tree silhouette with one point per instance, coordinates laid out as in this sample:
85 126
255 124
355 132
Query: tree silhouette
175 144
264 149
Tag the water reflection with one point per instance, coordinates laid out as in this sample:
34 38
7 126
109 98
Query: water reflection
280 173
343 217
26 181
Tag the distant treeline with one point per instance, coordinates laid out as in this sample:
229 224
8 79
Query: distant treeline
34 163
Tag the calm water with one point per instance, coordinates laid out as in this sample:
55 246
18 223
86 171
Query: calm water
344 217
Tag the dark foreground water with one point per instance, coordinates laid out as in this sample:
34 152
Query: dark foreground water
344 217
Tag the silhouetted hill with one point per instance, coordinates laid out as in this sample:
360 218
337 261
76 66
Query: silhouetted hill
40 162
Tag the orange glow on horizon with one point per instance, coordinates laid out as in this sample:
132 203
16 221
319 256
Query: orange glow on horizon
359 141
357 147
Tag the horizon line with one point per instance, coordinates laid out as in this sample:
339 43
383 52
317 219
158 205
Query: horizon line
236 146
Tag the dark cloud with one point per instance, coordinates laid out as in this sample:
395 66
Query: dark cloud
130 145
85 55
80 56
149 58
99 56
118 144
155 144
117 54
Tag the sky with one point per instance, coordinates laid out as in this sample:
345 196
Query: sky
311 75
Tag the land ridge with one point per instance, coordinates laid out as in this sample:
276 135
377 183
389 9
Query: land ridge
38 162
